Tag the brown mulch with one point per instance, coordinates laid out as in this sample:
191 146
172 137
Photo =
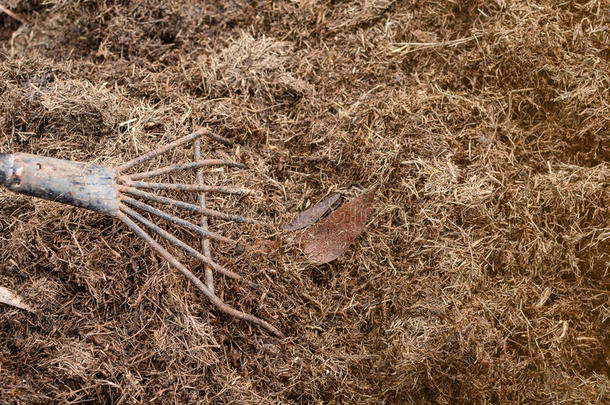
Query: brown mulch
482 275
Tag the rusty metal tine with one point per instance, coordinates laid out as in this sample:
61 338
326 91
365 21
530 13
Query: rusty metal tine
187 206
177 242
183 166
186 187
177 220
220 139
221 305
205 243
152 154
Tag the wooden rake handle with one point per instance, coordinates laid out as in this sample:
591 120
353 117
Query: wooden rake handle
73 183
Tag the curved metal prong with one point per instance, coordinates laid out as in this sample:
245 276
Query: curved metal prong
222 306
192 252
187 206
185 187
177 220
205 243
152 154
184 166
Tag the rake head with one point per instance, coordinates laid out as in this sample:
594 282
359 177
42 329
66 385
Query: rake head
119 193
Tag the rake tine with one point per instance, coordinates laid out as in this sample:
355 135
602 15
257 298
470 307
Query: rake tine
153 154
222 306
187 206
177 220
205 243
186 187
183 166
172 239
221 139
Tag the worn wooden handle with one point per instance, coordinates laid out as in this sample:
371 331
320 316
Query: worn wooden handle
74 183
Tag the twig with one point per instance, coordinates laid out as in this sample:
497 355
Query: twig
12 14
403 49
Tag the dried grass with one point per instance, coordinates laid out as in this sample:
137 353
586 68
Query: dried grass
482 277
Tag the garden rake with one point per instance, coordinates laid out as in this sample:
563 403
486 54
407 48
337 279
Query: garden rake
112 191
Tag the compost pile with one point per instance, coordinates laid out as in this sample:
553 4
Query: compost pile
482 274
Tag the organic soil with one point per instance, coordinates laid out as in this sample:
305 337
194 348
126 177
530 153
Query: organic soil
481 277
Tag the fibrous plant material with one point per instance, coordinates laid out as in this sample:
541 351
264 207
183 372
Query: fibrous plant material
492 157
107 190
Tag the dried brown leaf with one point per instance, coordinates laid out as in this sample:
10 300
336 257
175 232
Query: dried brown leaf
328 239
10 298
312 214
